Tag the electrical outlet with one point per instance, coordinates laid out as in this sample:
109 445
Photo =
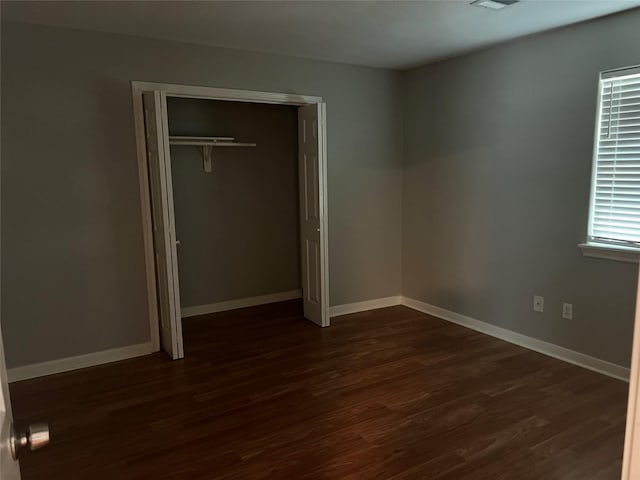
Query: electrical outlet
538 303
567 311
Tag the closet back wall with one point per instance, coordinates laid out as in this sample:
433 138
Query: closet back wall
238 225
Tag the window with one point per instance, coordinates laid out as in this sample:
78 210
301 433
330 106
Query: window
614 213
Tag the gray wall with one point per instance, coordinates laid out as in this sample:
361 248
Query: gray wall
498 150
485 212
238 225
73 277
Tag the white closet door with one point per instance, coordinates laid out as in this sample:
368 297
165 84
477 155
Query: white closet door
313 231
164 233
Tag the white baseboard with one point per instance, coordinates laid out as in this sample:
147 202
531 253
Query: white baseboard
348 308
81 361
239 303
549 349
131 351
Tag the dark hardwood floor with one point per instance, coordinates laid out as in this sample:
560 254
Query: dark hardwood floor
385 394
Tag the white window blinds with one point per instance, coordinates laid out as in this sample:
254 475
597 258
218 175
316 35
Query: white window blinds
615 192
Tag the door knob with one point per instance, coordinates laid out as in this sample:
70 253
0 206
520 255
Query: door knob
36 436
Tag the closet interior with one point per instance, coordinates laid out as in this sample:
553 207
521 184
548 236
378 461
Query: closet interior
234 169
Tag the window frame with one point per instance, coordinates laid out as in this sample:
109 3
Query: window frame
592 248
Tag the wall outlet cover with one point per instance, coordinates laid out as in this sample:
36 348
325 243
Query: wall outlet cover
538 303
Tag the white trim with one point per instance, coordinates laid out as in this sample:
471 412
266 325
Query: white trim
324 215
620 72
212 93
631 458
233 95
240 303
594 158
610 252
81 361
356 307
147 227
555 351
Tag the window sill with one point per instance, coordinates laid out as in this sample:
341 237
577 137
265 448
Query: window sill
610 252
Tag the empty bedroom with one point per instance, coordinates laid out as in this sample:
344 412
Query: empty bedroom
320 239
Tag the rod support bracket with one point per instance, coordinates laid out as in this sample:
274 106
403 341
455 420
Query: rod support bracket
207 151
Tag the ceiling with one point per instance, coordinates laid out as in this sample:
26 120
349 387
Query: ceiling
388 34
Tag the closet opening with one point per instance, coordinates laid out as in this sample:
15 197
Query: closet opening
234 206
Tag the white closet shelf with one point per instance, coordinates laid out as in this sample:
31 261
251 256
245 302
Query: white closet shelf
208 141
207 144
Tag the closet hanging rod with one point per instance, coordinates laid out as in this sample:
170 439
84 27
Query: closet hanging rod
214 144
208 141
190 137
206 144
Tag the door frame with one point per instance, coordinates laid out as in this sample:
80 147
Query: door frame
631 459
214 93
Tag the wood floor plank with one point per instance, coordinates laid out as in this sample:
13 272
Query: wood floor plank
385 394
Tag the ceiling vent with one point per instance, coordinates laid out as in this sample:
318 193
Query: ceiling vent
494 4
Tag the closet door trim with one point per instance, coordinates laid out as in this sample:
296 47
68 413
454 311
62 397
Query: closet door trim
214 93
210 93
